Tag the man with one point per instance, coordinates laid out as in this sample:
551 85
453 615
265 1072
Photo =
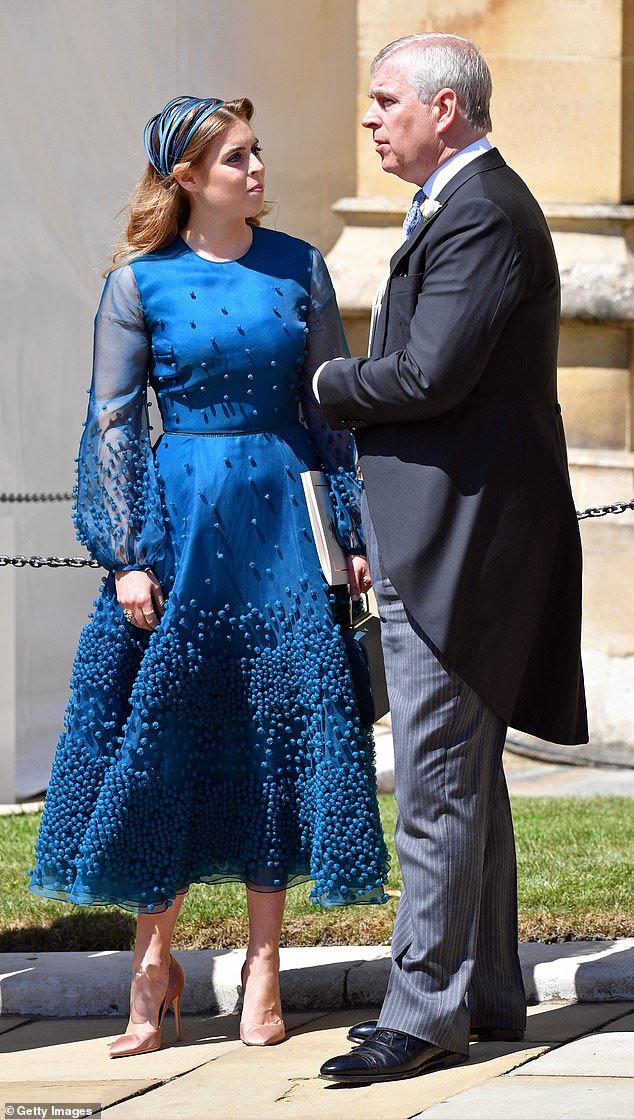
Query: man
473 546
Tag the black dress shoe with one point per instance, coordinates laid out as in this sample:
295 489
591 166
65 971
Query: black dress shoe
494 1033
388 1055
362 1031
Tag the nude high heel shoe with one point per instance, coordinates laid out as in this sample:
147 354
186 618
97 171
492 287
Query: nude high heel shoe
148 1037
262 1033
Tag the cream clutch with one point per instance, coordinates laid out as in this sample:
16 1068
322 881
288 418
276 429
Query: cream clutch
322 521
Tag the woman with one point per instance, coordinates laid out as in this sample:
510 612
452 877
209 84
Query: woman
212 733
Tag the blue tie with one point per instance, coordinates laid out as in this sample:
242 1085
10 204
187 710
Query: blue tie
413 215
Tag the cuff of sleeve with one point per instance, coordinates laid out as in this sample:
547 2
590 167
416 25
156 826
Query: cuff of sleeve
317 374
316 381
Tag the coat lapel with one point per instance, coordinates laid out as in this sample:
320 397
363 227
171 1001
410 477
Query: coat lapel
487 162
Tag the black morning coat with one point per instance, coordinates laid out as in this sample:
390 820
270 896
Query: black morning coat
462 449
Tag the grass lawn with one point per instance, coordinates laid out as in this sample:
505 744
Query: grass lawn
576 881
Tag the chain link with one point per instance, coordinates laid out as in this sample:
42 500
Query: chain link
42 561
85 561
48 561
603 510
20 498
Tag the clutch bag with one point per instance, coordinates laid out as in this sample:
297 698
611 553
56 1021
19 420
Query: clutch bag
362 638
322 522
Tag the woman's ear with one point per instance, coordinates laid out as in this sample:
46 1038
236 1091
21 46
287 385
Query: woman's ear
186 177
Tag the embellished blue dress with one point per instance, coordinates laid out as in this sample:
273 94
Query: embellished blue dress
225 745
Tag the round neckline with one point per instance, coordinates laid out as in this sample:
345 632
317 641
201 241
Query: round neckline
221 263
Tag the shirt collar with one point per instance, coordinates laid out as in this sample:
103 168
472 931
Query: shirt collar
443 174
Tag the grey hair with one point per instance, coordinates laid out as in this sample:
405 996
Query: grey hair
436 61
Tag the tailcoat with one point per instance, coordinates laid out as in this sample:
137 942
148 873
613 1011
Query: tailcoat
461 445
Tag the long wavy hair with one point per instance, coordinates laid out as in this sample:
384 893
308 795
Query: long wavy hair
159 207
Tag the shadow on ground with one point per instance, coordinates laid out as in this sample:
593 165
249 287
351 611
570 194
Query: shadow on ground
81 931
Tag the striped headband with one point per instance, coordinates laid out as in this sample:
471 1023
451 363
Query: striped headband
167 135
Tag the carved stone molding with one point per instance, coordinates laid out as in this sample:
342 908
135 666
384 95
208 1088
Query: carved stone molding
594 245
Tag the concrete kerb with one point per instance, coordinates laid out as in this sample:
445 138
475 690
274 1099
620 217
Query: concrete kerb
81 984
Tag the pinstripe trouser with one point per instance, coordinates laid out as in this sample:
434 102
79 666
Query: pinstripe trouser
454 948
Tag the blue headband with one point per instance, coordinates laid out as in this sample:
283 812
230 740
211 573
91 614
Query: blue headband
166 135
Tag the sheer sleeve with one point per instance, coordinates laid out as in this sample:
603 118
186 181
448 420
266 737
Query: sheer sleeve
325 340
118 513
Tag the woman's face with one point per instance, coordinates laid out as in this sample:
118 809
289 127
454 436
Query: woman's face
229 180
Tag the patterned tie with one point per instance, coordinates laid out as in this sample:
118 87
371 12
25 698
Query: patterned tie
413 215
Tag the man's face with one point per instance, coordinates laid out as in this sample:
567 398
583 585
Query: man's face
403 128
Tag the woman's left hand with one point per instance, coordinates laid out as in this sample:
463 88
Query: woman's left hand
140 597
359 576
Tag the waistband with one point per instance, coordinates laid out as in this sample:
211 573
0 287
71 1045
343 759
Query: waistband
221 434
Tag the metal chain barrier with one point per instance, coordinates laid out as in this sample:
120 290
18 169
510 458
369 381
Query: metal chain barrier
42 561
603 510
18 498
84 561
48 561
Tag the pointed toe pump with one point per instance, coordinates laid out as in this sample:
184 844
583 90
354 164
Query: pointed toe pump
267 1033
260 1033
143 1036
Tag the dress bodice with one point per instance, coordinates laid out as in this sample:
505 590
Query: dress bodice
228 348
227 340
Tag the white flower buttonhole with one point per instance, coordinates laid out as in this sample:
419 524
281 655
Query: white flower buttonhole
430 207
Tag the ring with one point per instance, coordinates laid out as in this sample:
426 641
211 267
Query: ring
128 615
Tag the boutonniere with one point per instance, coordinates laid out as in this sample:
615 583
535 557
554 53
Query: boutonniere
430 207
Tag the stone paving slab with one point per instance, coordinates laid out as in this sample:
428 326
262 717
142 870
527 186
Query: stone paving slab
625 1024
558 1022
11 1022
81 1044
211 1075
283 1082
70 1092
546 1097
610 1052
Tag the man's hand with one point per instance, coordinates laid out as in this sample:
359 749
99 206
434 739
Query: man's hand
359 576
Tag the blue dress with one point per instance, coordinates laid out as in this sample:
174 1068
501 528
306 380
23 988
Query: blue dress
226 745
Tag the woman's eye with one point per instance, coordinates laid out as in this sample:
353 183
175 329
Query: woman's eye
257 149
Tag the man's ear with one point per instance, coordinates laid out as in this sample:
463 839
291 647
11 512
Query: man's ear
186 177
446 108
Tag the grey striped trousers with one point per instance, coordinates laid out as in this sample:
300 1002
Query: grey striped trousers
454 948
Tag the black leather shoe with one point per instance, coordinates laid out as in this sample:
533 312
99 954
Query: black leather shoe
494 1033
388 1055
362 1031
